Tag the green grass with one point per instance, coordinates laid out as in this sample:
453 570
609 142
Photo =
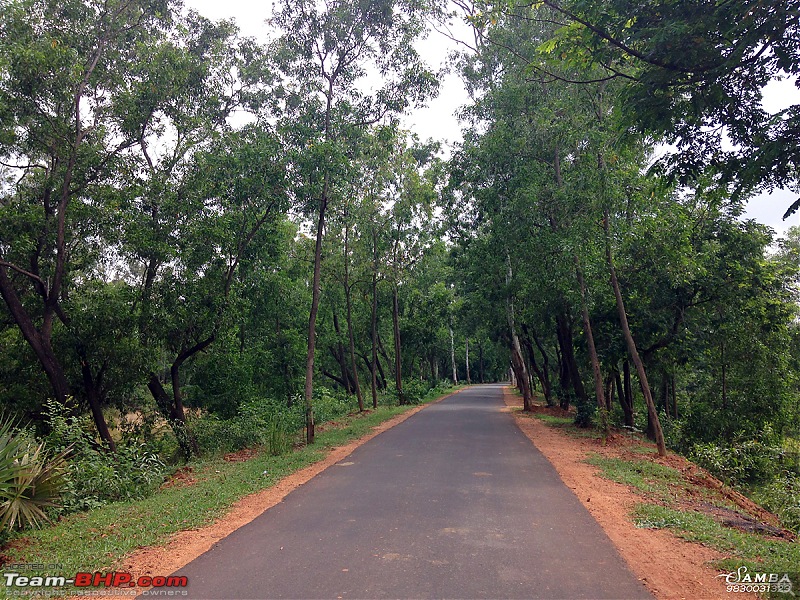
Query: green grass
97 539
643 475
553 420
757 552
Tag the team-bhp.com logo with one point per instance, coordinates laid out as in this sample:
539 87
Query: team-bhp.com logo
742 581
114 579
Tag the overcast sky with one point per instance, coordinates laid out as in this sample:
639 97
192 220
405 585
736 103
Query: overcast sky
438 119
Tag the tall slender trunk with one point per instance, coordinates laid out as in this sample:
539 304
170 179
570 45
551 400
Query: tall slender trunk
626 393
570 365
587 330
398 359
480 361
546 386
466 360
632 351
540 374
453 355
523 380
374 321
308 391
356 382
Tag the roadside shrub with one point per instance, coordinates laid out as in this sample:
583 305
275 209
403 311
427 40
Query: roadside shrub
584 417
415 390
31 481
782 497
94 475
743 462
330 405
257 423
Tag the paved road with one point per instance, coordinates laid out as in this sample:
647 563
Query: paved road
453 503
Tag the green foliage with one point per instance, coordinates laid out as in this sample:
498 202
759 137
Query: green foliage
782 497
585 415
31 479
644 475
746 461
257 423
752 550
94 475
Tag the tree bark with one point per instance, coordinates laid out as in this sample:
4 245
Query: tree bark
570 365
466 360
39 340
398 360
349 302
626 394
632 351
374 322
94 397
453 356
587 329
480 361
516 353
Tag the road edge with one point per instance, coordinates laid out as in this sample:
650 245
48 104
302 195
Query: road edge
184 546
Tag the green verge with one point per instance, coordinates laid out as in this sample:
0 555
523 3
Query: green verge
667 500
759 553
96 540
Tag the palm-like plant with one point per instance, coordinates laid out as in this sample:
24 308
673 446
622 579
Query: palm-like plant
29 480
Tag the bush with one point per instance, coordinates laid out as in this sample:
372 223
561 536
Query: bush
94 475
782 496
740 463
415 390
257 423
30 480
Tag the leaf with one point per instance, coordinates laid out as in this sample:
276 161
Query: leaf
792 209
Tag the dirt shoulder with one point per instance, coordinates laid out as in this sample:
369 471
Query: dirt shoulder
670 567
185 546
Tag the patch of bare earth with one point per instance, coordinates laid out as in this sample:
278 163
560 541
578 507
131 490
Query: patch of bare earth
670 567
184 546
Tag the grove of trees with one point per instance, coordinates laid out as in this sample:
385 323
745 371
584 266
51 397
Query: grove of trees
206 237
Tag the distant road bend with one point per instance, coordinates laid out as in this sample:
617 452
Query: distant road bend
455 502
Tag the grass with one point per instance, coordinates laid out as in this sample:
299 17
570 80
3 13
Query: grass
95 540
754 551
643 475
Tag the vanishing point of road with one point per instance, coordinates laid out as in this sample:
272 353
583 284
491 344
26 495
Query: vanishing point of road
454 502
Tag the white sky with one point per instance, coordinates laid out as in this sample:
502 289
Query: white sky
438 119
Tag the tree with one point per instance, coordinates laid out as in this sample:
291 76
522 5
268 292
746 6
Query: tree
694 72
64 139
324 51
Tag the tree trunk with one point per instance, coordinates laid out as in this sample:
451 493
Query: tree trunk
39 340
466 360
93 395
632 351
587 329
480 362
453 356
546 385
339 355
349 303
626 394
374 322
541 375
398 360
569 363
516 353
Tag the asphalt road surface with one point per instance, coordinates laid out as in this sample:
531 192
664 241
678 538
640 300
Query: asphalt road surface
455 502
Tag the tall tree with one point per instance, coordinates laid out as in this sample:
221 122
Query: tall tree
324 50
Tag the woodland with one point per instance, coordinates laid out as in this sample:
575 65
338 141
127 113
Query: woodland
210 242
